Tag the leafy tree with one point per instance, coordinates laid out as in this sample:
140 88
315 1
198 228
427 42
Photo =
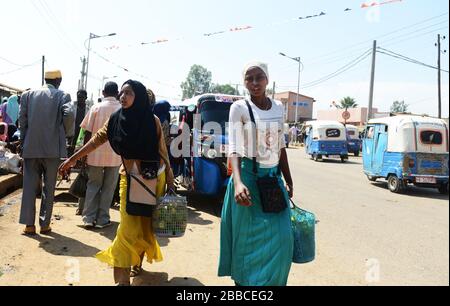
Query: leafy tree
198 82
224 89
348 102
399 107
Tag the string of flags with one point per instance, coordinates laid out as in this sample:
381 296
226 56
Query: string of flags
365 5
236 29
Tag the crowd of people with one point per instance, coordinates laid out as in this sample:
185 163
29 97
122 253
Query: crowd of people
9 117
128 129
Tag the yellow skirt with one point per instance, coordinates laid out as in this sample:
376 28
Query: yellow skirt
135 235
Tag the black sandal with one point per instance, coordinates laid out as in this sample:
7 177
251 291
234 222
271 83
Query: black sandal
136 271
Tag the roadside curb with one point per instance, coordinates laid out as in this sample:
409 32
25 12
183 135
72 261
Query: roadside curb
9 183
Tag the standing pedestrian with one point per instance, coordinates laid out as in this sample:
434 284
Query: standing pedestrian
256 246
46 119
134 133
103 164
81 110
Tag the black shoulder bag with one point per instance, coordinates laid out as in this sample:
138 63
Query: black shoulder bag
271 192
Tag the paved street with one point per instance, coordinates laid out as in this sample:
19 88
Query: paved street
365 236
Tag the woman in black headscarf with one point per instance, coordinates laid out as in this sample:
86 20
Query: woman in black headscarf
135 134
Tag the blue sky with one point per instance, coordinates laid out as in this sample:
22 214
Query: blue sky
59 28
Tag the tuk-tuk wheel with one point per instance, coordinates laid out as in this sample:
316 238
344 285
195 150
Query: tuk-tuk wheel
395 184
357 154
443 189
316 157
344 159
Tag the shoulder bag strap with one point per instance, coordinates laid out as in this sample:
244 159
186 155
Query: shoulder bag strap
138 180
255 135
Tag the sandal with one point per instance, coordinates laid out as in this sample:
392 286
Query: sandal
136 271
46 230
30 230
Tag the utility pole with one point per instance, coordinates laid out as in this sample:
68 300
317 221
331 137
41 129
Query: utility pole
439 78
439 75
273 90
81 84
372 81
43 70
298 89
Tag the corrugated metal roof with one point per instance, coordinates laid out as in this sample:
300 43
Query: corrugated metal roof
9 88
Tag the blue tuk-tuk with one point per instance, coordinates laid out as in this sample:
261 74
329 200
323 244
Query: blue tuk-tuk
207 171
353 140
407 150
326 138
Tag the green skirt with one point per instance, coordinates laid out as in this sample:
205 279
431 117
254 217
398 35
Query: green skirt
256 249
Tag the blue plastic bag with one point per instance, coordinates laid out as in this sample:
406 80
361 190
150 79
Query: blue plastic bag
303 228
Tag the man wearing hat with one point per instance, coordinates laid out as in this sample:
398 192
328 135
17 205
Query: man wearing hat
46 119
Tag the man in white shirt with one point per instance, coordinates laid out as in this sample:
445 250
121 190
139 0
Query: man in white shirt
103 164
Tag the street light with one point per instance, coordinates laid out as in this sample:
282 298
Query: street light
297 59
92 36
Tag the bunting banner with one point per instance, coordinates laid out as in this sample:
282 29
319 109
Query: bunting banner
365 5
236 29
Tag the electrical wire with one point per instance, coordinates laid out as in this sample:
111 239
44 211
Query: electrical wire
405 58
20 68
338 72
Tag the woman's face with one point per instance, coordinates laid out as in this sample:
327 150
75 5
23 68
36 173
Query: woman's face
127 96
256 82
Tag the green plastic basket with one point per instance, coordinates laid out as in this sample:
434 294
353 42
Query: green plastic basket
170 216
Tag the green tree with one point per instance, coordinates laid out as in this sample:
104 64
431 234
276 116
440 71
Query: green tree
348 102
198 82
224 89
399 107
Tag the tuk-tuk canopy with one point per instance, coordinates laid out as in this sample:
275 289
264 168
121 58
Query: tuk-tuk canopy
353 131
214 97
408 134
326 130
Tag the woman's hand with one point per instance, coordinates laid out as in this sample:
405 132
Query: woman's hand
65 167
242 195
171 189
290 190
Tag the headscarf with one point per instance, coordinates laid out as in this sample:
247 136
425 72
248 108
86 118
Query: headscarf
162 110
264 67
151 96
132 132
12 108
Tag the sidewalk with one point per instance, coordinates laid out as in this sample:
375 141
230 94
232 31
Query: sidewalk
9 183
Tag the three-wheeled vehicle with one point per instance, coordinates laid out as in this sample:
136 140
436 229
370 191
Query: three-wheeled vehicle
353 140
206 171
326 138
407 150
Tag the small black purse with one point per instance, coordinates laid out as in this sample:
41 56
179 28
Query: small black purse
271 192
79 186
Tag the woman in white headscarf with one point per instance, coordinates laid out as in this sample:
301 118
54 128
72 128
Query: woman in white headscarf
256 247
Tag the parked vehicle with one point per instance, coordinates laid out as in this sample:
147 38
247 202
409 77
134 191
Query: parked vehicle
207 171
353 140
407 150
326 138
